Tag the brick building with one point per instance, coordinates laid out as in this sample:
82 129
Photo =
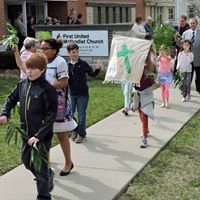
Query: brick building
94 11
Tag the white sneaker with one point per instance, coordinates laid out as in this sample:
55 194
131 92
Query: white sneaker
143 143
79 139
184 99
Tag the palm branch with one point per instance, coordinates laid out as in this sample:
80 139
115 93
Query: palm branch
37 155
11 38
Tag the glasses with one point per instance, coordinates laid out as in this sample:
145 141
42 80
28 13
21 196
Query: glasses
45 48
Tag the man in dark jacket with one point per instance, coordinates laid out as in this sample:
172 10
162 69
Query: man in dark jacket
38 107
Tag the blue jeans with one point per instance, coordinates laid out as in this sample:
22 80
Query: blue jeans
126 88
80 103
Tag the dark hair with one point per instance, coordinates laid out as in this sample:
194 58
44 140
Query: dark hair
150 65
55 44
138 18
36 61
186 41
71 46
29 18
68 19
79 16
183 17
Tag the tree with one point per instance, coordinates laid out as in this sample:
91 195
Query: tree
195 6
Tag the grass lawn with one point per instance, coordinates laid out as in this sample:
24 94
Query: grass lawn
106 96
175 173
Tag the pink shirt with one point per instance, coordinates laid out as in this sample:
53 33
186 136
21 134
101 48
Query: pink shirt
165 64
24 56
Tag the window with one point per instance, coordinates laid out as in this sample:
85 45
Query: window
171 14
107 15
191 12
160 12
127 19
99 15
114 15
120 15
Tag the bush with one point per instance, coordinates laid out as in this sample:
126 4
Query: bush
7 60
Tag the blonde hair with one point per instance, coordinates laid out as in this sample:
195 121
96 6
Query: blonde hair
165 48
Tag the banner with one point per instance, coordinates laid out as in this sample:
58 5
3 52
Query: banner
127 59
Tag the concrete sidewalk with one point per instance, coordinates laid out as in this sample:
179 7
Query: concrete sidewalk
110 158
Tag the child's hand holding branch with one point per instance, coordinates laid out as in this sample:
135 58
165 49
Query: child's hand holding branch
99 64
3 120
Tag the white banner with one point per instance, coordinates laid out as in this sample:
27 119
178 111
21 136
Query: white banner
91 43
127 59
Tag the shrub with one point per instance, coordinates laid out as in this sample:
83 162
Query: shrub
7 60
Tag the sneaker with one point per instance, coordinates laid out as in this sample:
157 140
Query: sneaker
51 178
125 111
74 135
183 99
162 105
80 139
143 143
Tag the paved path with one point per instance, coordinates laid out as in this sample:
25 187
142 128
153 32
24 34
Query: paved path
111 157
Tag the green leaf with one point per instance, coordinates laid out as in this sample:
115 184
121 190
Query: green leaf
10 38
22 133
9 133
16 137
44 35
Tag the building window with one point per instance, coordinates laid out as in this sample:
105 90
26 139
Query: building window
114 15
120 14
160 12
191 12
127 18
99 15
171 14
107 15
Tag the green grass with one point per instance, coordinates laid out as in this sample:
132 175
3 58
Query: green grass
104 100
175 173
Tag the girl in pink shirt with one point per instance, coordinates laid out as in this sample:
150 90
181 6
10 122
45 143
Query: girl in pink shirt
164 74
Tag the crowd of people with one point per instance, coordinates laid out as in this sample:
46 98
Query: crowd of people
52 89
42 73
18 24
185 61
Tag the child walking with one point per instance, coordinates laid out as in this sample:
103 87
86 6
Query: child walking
143 100
184 65
164 74
38 107
79 89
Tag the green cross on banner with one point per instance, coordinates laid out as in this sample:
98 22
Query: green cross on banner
125 53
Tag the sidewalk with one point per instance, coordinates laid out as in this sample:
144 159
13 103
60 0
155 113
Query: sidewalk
110 158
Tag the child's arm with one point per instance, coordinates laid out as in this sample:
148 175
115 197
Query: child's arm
167 56
10 103
61 75
178 62
18 59
90 70
191 57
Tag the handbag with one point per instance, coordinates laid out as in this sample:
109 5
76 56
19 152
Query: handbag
61 110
